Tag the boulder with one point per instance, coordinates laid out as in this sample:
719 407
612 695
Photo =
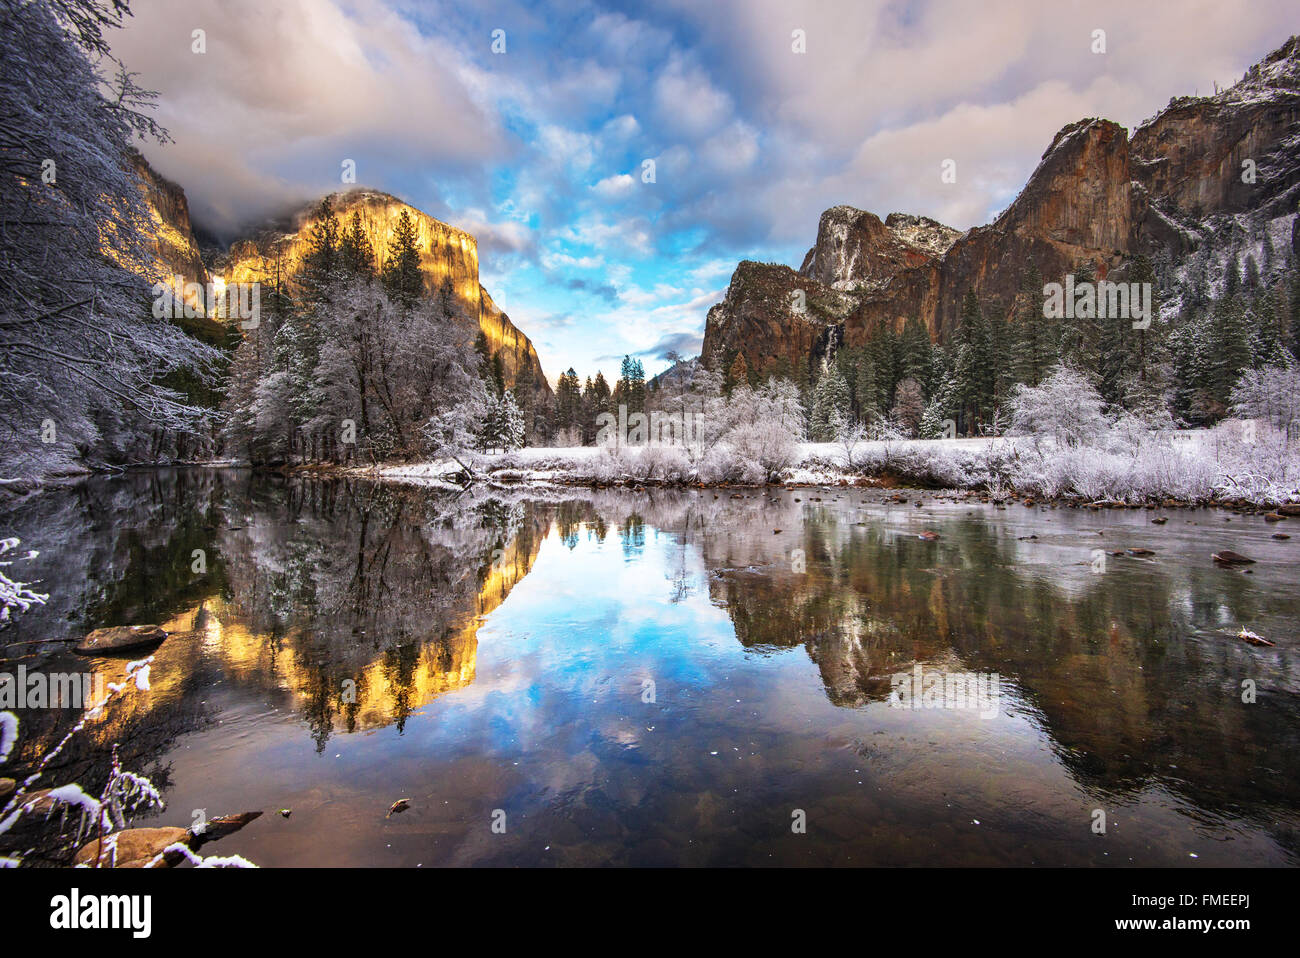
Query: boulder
1228 557
136 847
120 638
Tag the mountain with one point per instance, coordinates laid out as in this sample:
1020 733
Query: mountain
1098 196
445 253
175 246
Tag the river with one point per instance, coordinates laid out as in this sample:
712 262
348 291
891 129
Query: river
676 677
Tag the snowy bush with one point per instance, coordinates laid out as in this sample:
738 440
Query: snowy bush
1065 408
15 595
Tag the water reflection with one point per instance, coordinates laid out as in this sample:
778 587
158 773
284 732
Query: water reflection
621 673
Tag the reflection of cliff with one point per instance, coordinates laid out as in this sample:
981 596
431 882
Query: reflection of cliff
358 610
367 606
1114 671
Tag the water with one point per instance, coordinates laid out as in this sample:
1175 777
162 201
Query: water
676 678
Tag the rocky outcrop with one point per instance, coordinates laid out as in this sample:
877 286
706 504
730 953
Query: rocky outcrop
175 248
1097 197
446 253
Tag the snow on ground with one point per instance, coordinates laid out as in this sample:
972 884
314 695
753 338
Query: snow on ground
1190 465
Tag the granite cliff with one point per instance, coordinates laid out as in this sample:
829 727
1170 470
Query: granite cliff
1098 196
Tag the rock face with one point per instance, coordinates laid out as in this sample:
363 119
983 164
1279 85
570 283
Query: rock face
1097 197
445 253
175 247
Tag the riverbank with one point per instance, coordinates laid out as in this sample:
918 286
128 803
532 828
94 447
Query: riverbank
1207 467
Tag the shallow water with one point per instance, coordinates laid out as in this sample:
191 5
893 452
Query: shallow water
660 678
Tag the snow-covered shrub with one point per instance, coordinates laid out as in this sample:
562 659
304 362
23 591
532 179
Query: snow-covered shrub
1065 408
662 463
765 447
612 464
1270 395
124 794
15 595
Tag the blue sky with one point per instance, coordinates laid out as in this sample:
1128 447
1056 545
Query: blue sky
540 150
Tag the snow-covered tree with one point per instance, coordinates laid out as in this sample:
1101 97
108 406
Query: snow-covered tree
1271 395
1066 407
830 404
502 424
83 362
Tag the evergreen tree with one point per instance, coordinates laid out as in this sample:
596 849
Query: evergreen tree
631 385
1230 350
401 274
356 255
322 257
973 370
831 406
915 359
1034 346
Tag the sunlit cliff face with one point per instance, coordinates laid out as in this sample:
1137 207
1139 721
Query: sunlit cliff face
447 254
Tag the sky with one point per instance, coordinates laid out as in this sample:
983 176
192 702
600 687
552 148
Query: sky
531 125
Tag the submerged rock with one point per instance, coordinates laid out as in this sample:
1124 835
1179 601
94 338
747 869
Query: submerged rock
119 638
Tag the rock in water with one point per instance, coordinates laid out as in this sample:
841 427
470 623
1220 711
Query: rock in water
1228 557
1253 638
220 827
136 847
120 638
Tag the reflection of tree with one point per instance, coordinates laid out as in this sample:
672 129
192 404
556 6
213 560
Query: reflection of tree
631 532
375 590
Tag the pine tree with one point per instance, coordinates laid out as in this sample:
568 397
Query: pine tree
322 257
402 276
831 406
973 369
1230 350
915 359
568 402
1034 346
503 424
356 255
1293 324
631 385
